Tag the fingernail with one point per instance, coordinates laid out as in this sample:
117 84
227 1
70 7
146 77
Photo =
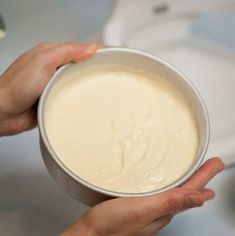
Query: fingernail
210 197
90 48
222 166
219 165
208 194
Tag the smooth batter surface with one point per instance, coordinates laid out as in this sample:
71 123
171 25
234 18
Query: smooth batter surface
120 129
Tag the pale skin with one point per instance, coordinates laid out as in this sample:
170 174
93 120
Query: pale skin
20 87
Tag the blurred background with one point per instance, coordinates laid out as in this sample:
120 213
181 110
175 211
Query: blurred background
196 36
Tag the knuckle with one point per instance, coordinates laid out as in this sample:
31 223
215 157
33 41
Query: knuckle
37 56
172 205
193 199
190 186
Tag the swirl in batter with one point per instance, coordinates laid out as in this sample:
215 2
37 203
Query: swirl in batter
121 129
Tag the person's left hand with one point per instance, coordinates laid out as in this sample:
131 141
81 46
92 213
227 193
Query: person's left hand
144 216
24 81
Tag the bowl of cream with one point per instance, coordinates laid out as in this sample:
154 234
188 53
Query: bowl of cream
123 123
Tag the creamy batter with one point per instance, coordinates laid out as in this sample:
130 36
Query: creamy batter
121 129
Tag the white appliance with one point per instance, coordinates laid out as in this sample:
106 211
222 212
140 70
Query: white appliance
196 36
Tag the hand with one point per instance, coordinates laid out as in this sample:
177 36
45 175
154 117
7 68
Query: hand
24 81
140 216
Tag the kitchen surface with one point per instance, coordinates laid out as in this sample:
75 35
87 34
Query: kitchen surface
30 202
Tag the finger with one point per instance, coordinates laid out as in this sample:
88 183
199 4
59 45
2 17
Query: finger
207 194
45 45
165 220
169 202
204 174
69 52
177 200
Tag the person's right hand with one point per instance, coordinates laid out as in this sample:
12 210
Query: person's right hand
141 216
23 82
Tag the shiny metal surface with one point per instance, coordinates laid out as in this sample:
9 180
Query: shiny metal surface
81 189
